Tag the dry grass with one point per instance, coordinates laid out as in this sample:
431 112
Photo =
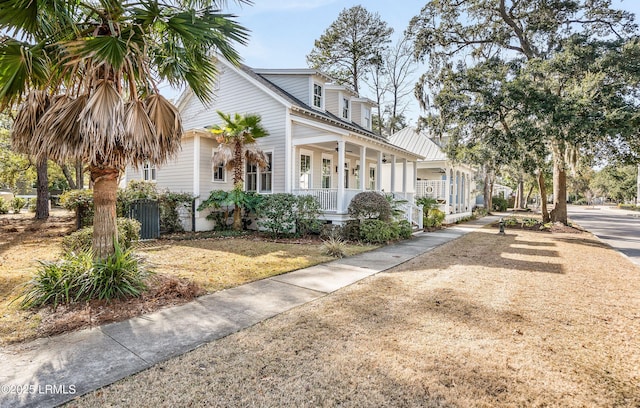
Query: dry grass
212 264
528 319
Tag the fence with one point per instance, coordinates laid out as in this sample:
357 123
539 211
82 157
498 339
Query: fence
147 213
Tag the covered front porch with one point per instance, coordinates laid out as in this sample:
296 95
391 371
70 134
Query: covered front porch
451 187
334 168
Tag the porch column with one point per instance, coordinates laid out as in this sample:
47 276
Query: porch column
292 180
415 179
447 190
341 148
393 173
405 178
379 173
363 170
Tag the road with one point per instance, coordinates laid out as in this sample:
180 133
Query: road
618 228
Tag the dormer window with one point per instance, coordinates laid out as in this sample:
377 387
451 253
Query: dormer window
366 118
345 108
317 96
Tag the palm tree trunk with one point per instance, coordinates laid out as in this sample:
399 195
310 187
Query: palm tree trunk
105 189
42 198
79 175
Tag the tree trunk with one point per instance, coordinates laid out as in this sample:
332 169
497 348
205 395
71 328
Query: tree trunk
487 192
517 203
528 197
79 175
67 175
237 218
42 200
543 198
559 213
105 189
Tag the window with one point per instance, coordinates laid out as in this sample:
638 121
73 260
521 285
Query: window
346 175
317 95
251 178
326 173
372 178
266 175
305 171
345 108
219 174
148 172
366 113
356 172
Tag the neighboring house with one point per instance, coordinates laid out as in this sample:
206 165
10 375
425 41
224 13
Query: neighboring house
320 142
451 184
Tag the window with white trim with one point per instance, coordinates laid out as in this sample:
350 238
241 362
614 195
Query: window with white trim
372 178
345 108
148 172
326 172
346 175
266 175
366 118
356 172
219 174
317 95
305 171
251 177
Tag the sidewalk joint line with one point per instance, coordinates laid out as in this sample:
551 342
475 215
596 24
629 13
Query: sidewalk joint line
125 347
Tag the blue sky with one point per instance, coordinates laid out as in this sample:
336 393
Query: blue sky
283 31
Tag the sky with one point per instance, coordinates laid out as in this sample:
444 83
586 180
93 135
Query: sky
283 31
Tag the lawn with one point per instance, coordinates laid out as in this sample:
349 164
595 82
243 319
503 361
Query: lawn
528 319
185 268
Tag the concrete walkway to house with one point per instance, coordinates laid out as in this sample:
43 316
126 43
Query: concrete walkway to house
50 371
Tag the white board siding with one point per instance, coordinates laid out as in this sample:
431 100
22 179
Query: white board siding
238 95
296 85
332 103
356 113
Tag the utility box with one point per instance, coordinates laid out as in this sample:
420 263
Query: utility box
147 213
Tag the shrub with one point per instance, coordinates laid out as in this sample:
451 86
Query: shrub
80 201
434 219
499 204
276 214
120 275
128 233
332 231
58 282
377 231
307 213
404 229
80 277
4 208
18 204
334 247
222 204
351 230
170 203
370 205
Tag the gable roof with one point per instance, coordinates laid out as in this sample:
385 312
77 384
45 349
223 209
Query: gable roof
419 143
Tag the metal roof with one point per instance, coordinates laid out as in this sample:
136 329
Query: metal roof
419 143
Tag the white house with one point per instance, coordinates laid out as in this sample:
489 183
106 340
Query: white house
451 184
320 142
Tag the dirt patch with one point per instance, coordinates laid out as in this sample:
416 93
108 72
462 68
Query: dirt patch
163 291
524 319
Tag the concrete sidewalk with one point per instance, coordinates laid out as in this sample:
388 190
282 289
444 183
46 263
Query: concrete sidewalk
51 371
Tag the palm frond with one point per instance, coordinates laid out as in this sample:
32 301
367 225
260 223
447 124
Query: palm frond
21 66
140 141
102 122
166 119
29 114
254 155
58 133
223 156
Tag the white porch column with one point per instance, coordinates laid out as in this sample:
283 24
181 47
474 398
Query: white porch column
447 190
341 148
379 173
363 170
405 178
393 173
292 165
415 178
289 156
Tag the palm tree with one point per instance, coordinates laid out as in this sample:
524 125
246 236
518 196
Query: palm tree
237 142
88 72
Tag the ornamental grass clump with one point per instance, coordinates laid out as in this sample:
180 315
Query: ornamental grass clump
334 247
80 276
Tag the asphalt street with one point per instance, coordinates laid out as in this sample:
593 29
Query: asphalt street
616 227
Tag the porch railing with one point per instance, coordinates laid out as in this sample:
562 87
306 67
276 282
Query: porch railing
431 188
327 197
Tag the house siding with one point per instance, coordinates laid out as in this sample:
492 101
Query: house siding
332 103
273 113
296 85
